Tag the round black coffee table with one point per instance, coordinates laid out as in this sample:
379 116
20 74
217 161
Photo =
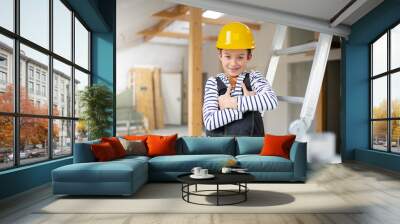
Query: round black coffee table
238 179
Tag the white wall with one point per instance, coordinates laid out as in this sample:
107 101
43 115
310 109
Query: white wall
168 57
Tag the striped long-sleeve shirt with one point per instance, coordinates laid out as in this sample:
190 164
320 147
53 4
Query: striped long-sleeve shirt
265 99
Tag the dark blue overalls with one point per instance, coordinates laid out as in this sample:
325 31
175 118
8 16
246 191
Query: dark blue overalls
250 125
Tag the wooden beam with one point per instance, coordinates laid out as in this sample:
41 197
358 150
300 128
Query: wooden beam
171 16
320 114
195 84
176 35
161 25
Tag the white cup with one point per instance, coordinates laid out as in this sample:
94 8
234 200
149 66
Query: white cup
203 172
196 170
226 170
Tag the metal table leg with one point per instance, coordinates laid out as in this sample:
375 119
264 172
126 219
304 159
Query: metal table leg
217 194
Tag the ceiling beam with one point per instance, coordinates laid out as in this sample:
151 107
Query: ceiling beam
347 11
221 21
177 35
268 15
164 23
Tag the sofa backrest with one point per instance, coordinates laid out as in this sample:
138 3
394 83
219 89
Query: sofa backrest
249 145
83 152
194 145
206 145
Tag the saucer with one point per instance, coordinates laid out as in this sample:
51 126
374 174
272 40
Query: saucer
208 176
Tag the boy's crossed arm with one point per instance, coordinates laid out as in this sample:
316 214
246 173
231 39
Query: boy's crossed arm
218 110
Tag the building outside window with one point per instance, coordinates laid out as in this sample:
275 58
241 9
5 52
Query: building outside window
37 74
43 78
3 72
3 78
30 72
30 87
3 61
43 90
38 89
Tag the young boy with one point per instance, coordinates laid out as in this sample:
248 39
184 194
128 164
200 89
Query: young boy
234 99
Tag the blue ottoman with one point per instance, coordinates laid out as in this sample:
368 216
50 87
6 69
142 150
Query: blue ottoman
118 177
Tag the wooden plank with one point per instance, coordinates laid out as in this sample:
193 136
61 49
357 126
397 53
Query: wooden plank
195 92
320 114
144 94
158 99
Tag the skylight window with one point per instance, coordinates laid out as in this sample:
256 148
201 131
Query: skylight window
212 14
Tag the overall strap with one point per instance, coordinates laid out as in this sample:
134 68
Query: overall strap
221 87
247 82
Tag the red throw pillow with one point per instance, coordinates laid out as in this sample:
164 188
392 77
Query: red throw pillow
275 145
161 145
103 151
116 145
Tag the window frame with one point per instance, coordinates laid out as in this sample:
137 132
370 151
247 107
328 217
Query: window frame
388 74
16 114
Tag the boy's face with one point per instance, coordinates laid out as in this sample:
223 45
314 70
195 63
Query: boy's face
234 61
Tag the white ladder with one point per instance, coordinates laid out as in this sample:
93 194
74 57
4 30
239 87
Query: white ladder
300 126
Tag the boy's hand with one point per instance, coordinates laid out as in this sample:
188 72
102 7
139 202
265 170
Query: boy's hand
247 92
226 101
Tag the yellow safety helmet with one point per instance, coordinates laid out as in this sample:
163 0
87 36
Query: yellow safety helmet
235 35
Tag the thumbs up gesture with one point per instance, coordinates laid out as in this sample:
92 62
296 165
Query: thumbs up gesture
247 92
226 101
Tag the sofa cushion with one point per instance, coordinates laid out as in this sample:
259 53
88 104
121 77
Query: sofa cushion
103 151
185 163
206 145
131 158
277 145
136 137
112 171
249 145
257 163
116 145
134 147
159 145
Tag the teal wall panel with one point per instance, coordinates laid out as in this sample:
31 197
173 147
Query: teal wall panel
355 83
24 178
377 158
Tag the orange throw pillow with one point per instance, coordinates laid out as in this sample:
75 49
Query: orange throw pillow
275 145
103 151
161 145
136 137
116 145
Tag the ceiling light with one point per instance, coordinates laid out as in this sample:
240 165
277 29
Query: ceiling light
212 14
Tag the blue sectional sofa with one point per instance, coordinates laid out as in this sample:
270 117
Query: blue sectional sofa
125 176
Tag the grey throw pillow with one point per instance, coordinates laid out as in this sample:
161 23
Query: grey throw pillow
134 147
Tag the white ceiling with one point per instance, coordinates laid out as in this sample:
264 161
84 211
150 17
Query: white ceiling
319 9
136 15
